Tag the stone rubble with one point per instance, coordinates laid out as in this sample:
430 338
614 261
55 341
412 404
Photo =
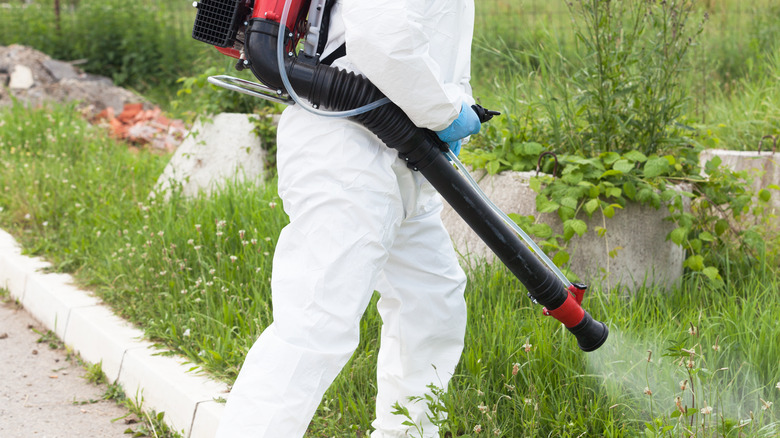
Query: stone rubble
33 78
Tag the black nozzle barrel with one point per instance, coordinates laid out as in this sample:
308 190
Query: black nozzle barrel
590 334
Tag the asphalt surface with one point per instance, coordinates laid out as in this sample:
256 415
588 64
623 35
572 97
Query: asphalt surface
43 392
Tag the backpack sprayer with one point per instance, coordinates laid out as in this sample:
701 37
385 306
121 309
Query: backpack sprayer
251 32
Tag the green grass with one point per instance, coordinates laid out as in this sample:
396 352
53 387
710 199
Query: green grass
194 275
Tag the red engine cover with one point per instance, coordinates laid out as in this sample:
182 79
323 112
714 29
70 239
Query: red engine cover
272 10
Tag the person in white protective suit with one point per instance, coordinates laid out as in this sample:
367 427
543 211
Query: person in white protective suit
361 220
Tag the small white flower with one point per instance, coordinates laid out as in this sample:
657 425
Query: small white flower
186 333
272 204
191 242
766 404
706 410
778 385
478 428
233 258
45 223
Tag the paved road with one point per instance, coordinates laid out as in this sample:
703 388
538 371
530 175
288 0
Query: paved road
42 393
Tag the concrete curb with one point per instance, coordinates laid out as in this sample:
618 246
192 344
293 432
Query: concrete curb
164 384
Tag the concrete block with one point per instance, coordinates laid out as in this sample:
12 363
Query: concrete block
764 166
214 152
51 297
642 257
206 420
15 268
166 385
21 78
98 335
8 243
12 277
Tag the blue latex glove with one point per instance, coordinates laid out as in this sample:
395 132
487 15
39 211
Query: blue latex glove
455 146
466 124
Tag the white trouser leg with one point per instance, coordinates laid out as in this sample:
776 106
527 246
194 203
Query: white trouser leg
343 199
423 318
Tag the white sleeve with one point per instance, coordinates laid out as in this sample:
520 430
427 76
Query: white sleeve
416 52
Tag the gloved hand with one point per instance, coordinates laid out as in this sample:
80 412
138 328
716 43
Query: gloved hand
466 124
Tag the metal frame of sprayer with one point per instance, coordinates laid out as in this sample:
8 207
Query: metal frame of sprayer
251 32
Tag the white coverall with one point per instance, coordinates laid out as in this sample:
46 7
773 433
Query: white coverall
360 221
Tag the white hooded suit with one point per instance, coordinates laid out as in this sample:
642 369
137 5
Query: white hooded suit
360 221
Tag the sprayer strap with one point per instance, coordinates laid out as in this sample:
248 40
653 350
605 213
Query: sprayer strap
341 51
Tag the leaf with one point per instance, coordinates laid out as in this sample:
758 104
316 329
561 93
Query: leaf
712 165
610 172
568 201
493 166
591 206
577 225
624 166
613 192
544 205
695 262
706 236
541 230
655 167
609 157
630 190
635 156
711 272
678 235
560 258
721 226
535 184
